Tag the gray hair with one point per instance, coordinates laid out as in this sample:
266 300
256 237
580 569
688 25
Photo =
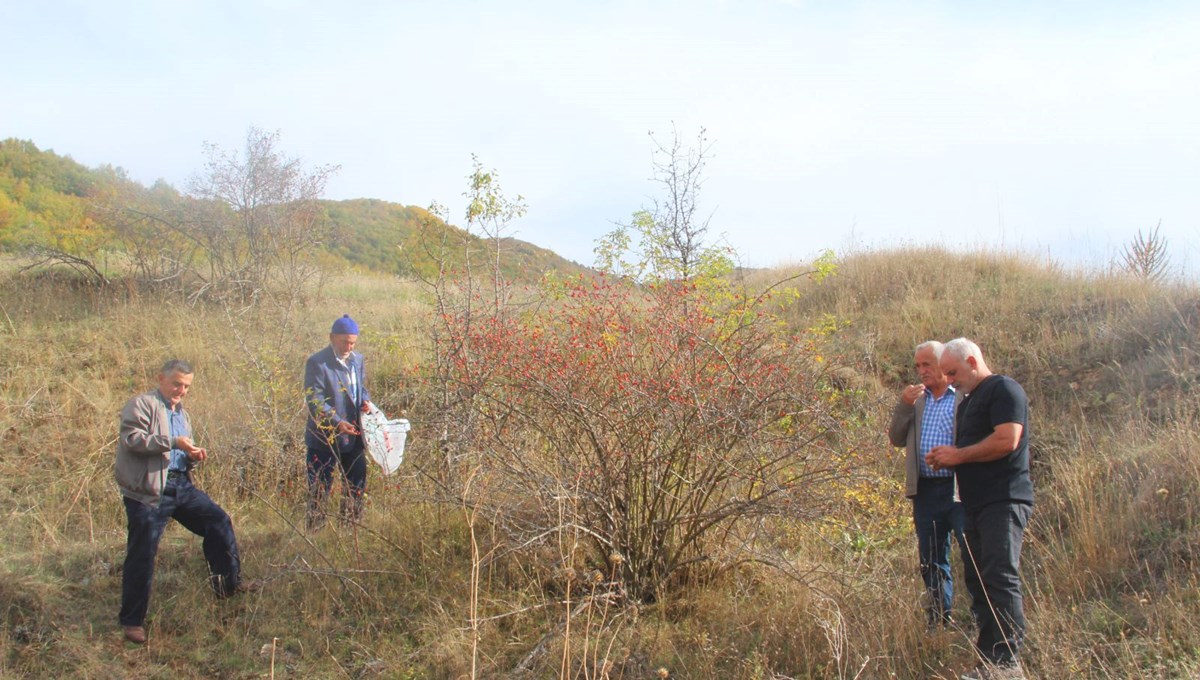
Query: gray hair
933 345
963 348
177 366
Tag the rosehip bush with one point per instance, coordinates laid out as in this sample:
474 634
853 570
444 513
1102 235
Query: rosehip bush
663 423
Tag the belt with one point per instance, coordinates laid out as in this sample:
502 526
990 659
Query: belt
938 480
176 474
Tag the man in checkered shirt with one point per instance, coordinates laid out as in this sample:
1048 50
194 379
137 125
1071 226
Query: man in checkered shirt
923 419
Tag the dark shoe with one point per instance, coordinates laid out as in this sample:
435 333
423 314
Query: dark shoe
135 634
351 511
315 521
246 585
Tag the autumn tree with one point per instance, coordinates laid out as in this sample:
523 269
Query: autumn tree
258 218
248 227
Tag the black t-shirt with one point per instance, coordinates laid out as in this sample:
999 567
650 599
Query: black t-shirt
996 400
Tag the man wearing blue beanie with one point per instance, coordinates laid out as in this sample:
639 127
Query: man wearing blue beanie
335 394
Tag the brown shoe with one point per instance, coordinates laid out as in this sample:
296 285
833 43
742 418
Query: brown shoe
135 634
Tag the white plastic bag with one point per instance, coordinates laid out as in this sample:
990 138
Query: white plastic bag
384 439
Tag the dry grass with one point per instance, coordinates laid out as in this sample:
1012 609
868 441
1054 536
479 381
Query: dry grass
1110 564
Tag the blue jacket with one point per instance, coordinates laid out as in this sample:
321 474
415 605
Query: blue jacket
330 399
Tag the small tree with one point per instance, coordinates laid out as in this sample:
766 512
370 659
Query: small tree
668 240
489 214
468 285
248 227
258 219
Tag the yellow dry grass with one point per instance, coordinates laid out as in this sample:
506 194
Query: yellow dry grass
1110 364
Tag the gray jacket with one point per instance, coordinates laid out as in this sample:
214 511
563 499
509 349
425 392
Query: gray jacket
144 448
906 431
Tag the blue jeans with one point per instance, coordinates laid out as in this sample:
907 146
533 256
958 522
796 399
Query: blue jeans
935 516
994 536
321 463
192 508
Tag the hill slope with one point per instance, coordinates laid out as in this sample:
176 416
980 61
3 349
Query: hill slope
1107 344
50 200
406 240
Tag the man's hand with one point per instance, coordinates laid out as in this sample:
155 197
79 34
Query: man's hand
346 427
186 445
911 393
942 457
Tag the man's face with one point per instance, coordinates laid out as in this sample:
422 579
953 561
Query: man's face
342 343
929 372
960 373
174 387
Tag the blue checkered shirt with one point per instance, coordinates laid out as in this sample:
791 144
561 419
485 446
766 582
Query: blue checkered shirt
937 429
179 428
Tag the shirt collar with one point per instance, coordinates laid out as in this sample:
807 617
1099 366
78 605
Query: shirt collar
178 407
345 362
949 390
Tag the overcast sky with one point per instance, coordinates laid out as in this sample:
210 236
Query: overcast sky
1053 127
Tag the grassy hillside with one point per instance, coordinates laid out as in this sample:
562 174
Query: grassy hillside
49 200
407 240
1109 564
1100 345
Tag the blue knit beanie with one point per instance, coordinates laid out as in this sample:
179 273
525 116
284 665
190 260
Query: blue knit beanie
344 326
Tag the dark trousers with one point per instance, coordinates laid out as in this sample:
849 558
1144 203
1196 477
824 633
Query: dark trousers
936 516
192 508
321 464
994 535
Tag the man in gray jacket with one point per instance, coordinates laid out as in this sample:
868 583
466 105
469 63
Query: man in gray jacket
155 454
924 418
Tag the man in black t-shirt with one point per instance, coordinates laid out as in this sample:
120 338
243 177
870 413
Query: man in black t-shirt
990 458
